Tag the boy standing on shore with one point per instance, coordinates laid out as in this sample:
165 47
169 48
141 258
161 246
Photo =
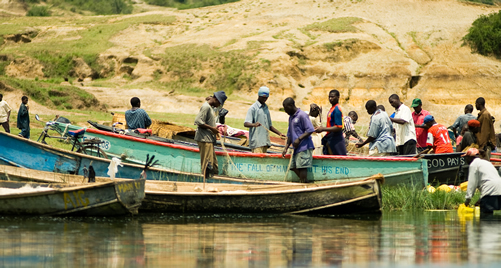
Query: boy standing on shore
23 118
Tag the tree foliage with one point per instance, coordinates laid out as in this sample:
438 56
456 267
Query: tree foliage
187 4
104 7
484 36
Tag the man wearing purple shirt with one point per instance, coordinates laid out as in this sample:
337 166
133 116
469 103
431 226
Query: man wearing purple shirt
300 129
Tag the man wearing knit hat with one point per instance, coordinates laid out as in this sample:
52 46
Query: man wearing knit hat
258 120
482 175
470 136
207 133
438 136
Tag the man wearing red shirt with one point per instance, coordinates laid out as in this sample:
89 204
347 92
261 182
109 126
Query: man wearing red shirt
438 136
418 118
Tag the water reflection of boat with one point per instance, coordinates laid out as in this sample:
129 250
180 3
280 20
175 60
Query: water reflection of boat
98 199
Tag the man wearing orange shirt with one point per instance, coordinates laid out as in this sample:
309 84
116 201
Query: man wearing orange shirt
438 136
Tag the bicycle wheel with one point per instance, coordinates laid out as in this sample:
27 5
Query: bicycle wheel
92 150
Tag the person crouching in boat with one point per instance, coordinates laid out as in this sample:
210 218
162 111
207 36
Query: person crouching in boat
469 139
207 133
438 136
137 117
482 175
299 134
381 142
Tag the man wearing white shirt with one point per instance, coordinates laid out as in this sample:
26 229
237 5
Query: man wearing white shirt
404 127
4 114
482 175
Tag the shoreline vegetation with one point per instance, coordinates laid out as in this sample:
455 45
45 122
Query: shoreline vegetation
412 198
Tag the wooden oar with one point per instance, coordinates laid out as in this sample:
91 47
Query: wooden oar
422 152
290 162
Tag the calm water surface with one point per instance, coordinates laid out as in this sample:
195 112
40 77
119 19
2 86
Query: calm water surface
395 239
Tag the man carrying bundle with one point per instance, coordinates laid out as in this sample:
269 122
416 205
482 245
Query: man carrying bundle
207 133
299 134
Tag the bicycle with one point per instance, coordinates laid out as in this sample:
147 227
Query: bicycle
88 146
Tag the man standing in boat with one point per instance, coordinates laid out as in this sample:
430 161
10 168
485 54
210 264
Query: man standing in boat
438 136
4 114
486 137
299 135
333 141
463 120
380 141
405 132
207 133
418 117
137 117
258 120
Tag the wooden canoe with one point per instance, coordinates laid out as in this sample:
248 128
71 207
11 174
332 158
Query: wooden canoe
110 198
352 197
269 167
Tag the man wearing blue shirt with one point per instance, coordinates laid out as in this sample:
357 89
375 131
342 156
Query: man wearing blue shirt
298 133
258 121
381 143
137 117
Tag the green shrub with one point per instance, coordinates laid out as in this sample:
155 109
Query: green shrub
54 96
102 7
187 4
233 70
337 25
488 2
38 11
484 36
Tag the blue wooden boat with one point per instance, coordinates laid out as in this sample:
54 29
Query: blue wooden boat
270 167
111 198
20 152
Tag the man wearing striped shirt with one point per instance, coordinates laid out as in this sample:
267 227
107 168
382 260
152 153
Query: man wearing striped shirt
137 117
349 127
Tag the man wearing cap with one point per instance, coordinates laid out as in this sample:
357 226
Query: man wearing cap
418 117
258 120
405 132
482 175
4 114
207 133
137 117
438 136
469 137
463 119
333 141
486 137
380 141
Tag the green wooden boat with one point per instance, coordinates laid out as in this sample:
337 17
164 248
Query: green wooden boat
106 198
269 167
